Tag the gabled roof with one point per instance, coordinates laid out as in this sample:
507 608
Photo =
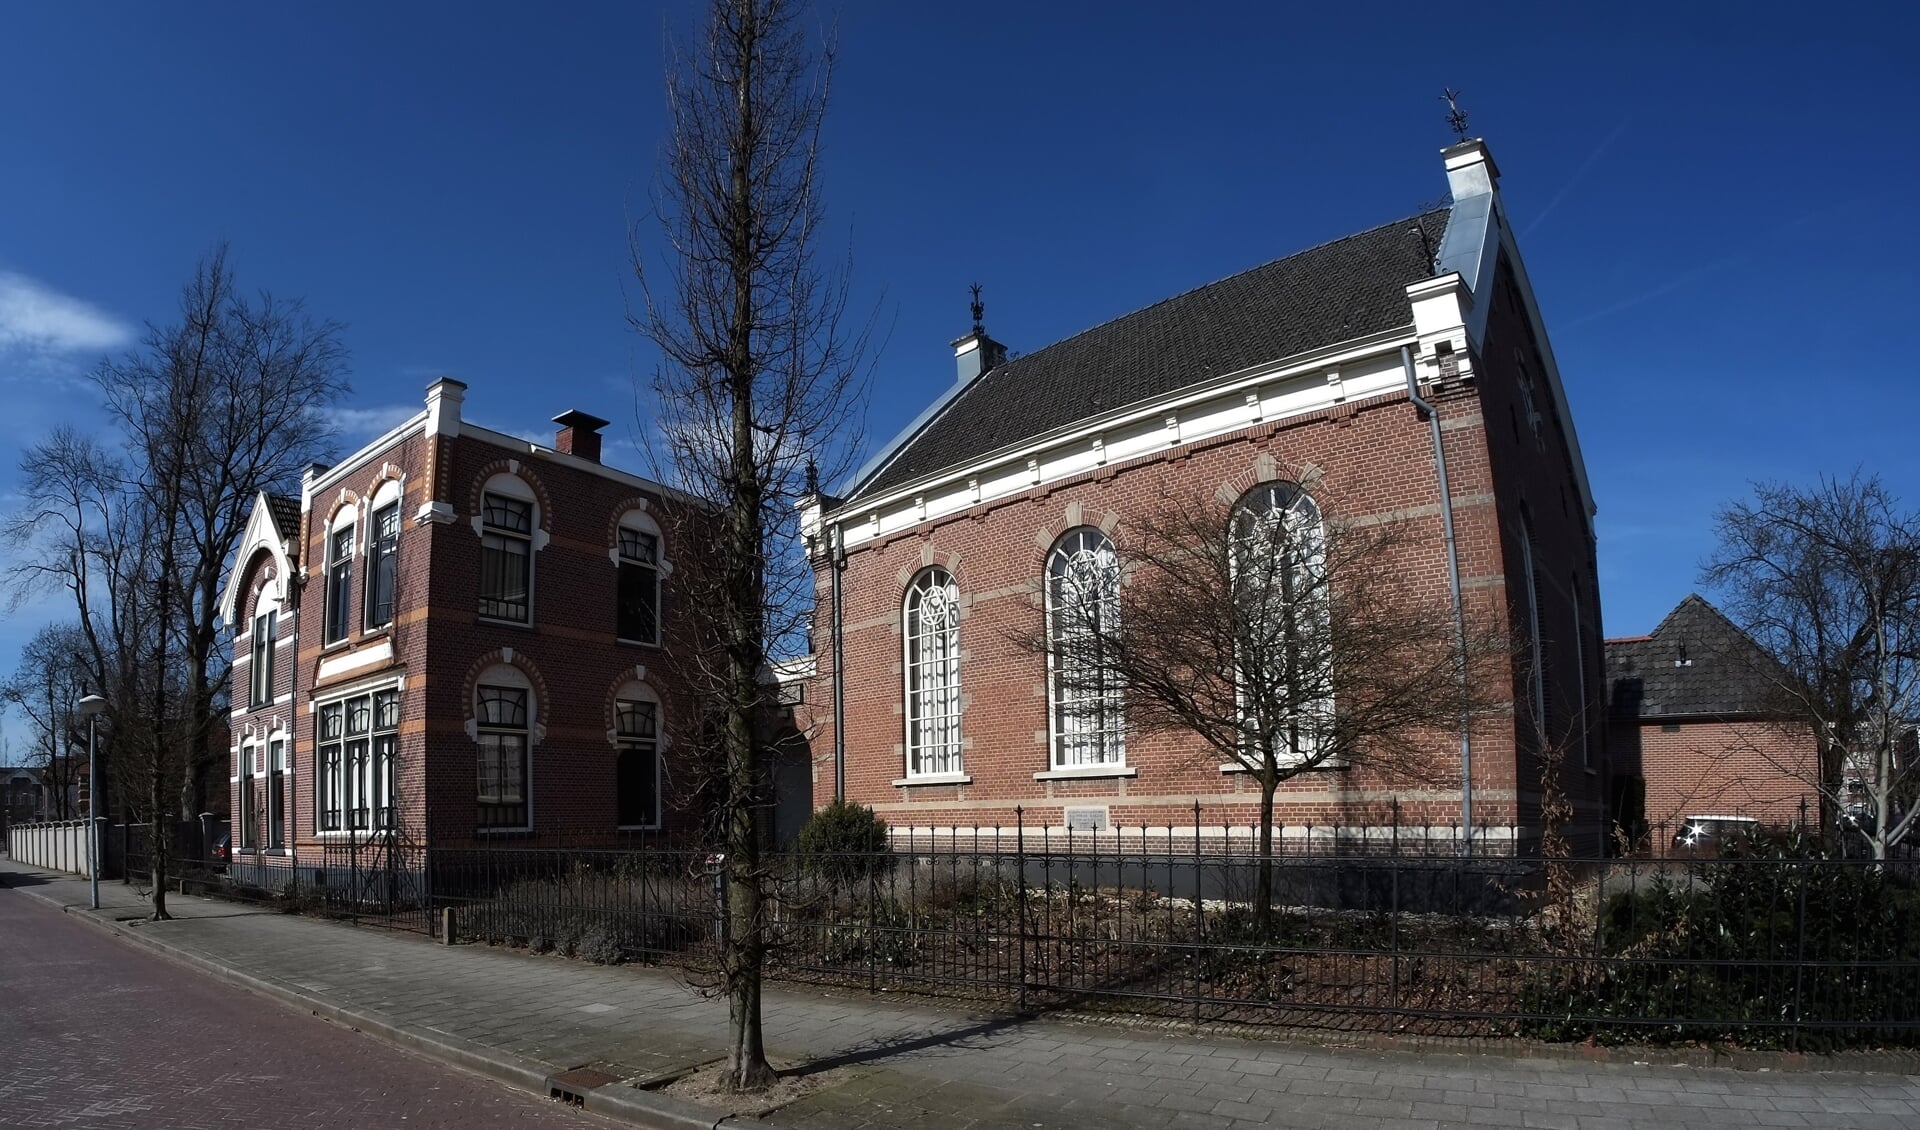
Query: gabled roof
1697 662
285 511
1336 292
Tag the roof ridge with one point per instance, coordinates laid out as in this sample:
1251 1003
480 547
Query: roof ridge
1192 290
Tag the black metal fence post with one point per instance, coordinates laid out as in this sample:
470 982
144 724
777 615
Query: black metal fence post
1020 869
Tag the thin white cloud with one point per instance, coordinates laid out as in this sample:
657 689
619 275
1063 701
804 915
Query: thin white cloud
369 422
35 319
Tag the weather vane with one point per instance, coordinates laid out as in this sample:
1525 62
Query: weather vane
1456 117
979 310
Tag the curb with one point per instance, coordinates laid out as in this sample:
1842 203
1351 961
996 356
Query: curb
628 1104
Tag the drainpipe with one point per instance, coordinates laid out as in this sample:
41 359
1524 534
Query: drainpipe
837 562
1453 582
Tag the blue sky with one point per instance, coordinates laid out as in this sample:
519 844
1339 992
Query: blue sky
1708 198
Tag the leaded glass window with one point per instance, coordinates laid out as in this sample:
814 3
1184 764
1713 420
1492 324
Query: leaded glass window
932 631
1083 613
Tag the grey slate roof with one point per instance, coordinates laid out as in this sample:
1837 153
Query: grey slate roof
1697 662
285 512
1335 292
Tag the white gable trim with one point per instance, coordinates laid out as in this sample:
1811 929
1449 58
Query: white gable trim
1276 390
259 534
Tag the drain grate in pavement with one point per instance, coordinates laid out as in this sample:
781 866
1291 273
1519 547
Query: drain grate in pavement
571 1087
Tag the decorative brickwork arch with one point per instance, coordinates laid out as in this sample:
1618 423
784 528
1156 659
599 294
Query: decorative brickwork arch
260 571
518 660
543 503
624 685
636 513
388 473
344 499
1072 516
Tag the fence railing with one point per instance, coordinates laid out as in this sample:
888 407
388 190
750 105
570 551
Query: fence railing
58 845
1794 952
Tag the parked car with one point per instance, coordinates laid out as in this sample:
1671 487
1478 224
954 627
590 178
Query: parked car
222 851
1701 835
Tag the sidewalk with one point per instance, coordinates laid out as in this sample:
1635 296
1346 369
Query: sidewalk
887 1062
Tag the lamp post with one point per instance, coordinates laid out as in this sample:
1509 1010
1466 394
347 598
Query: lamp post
90 708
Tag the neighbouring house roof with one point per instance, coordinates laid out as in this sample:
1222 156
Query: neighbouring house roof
1336 292
1696 663
285 511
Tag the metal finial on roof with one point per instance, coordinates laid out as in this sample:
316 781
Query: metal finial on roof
979 310
813 476
1456 117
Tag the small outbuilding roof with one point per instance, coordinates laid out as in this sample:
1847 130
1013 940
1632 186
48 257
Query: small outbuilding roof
1696 663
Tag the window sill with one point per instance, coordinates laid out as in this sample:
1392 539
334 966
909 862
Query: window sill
526 625
524 830
934 779
1088 773
1236 767
340 644
636 827
624 642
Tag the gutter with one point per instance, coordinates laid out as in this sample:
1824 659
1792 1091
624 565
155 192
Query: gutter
1453 585
837 562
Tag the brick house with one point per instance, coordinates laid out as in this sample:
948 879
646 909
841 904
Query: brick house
1387 363
454 637
1693 735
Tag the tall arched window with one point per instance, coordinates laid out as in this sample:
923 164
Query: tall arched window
1537 668
932 631
636 736
503 717
509 524
339 567
1283 639
1083 611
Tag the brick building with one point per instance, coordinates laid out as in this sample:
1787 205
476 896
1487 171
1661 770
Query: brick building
1693 735
453 636
1383 364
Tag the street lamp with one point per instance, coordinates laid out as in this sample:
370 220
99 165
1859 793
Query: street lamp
91 708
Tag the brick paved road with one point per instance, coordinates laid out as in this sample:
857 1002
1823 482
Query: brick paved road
97 1033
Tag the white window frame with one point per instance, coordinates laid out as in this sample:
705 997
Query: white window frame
641 523
625 743
934 742
247 804
387 497
505 677
276 767
371 778
264 641
1068 708
336 558
514 488
1257 505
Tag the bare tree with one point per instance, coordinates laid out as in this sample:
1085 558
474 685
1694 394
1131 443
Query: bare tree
1827 579
1284 638
52 675
228 401
758 381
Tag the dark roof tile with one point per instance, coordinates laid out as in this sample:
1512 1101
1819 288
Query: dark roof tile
1697 662
1335 292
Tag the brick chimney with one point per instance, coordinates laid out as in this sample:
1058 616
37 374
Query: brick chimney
579 434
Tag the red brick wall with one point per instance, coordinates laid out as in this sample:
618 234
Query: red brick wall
439 645
1374 457
1718 767
1533 478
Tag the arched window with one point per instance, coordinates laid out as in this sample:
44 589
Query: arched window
265 641
383 555
636 738
1283 639
1537 669
339 564
1083 612
503 726
932 631
509 516
637 598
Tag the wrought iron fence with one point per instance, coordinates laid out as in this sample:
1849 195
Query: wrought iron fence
1364 933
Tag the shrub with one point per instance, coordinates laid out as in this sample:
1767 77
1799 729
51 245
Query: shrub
845 841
